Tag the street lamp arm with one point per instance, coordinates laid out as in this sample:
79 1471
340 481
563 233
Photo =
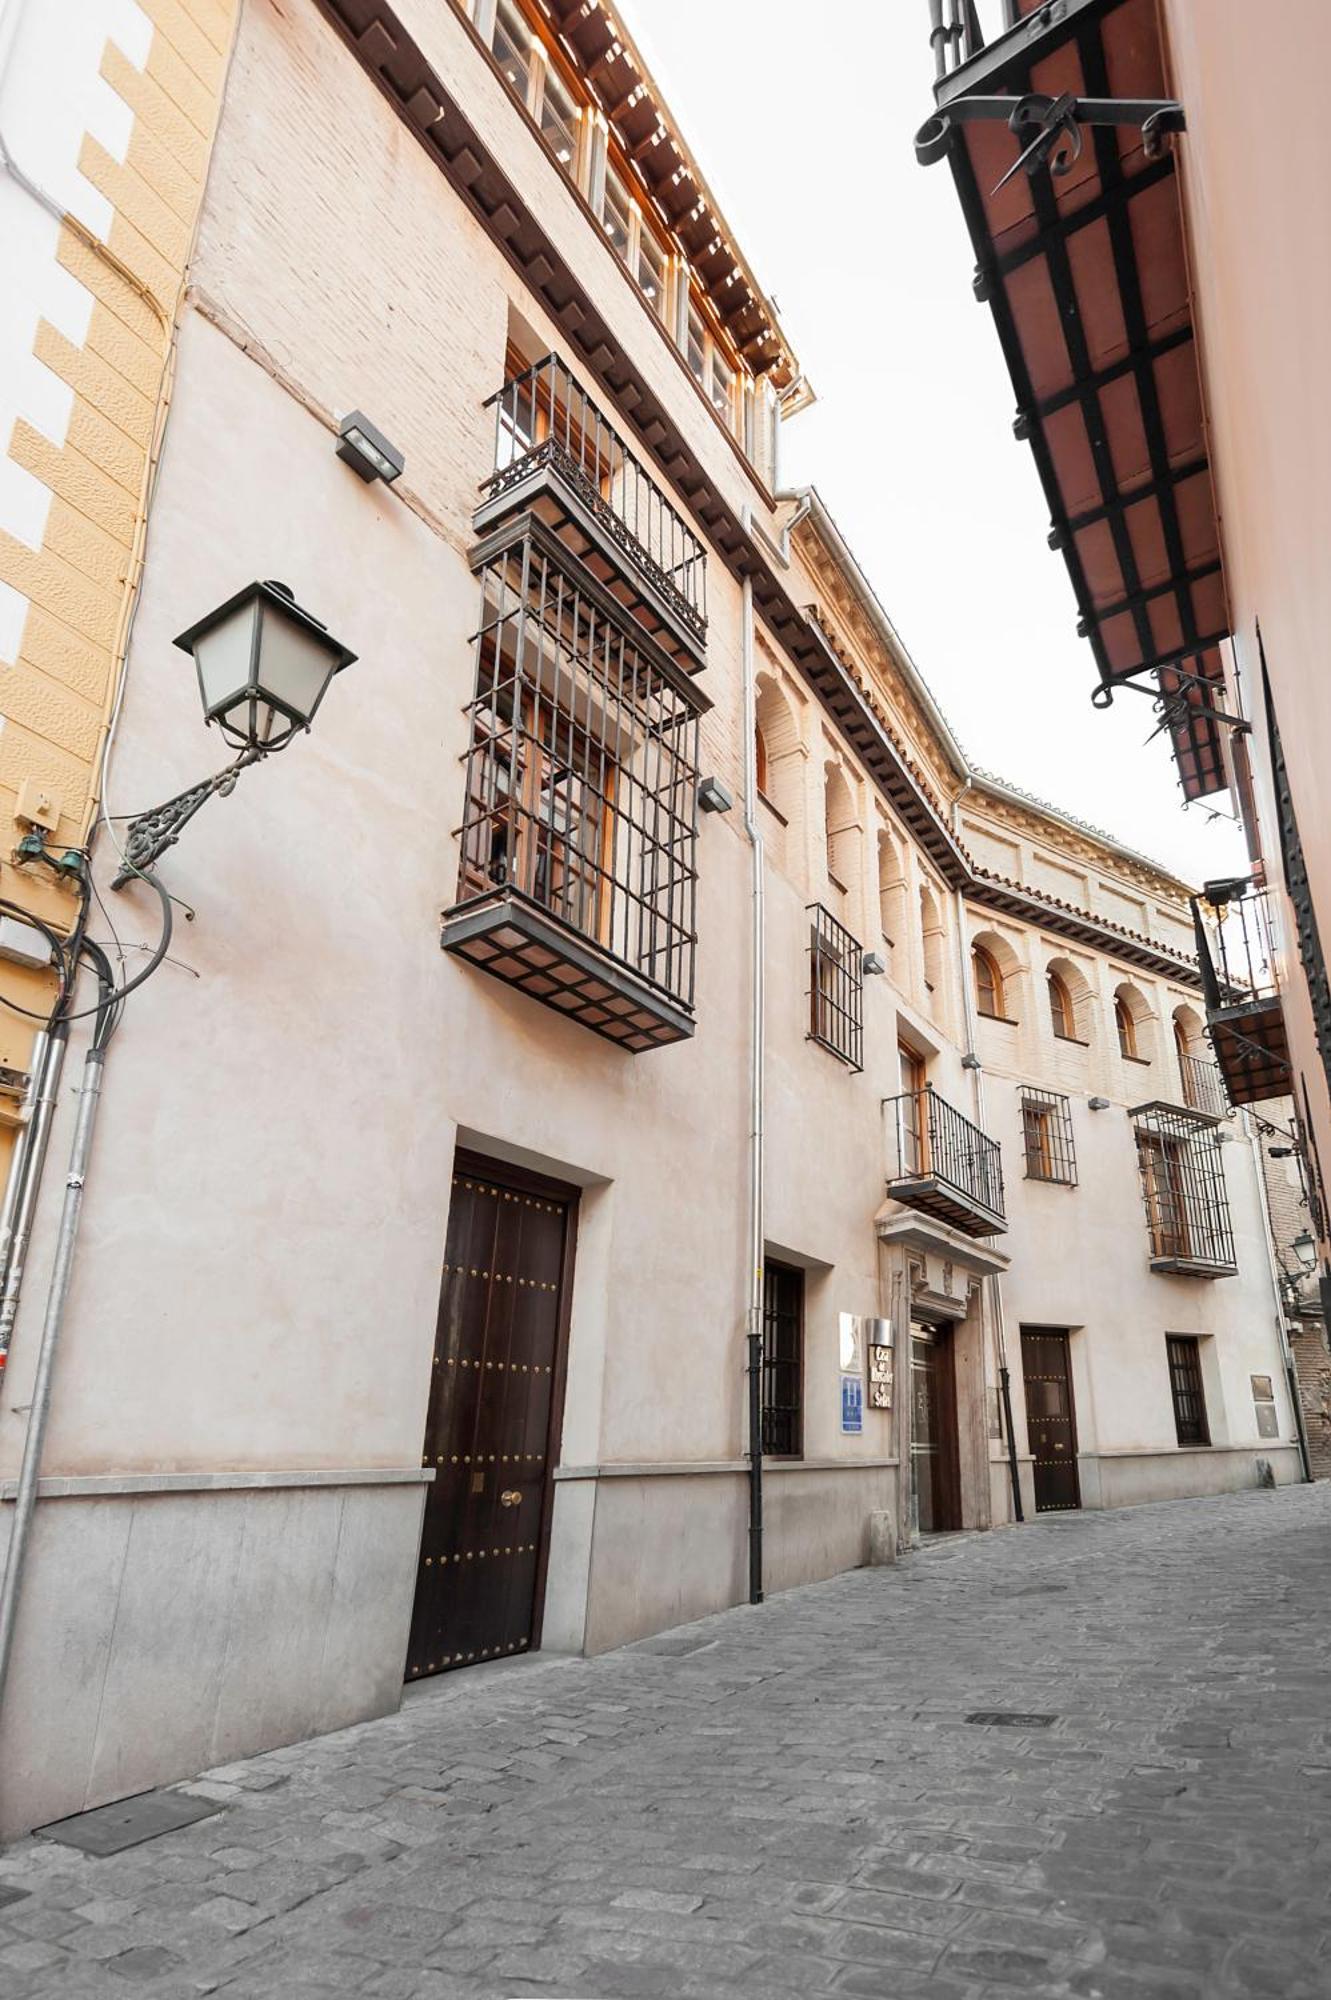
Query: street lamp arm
153 832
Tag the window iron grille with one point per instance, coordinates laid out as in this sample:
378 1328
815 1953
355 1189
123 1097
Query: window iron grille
1185 1387
944 1164
1183 1189
582 770
1046 1137
783 1361
545 418
836 988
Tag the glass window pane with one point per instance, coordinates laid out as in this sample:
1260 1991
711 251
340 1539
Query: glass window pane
696 351
559 120
512 46
651 270
615 212
722 386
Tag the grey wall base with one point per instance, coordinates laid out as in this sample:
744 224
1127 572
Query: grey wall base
164 1632
1129 1479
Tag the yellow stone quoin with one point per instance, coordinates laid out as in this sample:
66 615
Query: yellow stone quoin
77 589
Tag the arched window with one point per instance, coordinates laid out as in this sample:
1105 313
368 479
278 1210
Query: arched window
839 829
1126 1026
1061 1008
988 983
932 934
1181 1044
892 905
760 759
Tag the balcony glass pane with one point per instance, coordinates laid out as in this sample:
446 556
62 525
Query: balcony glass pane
615 212
696 346
511 43
559 120
651 272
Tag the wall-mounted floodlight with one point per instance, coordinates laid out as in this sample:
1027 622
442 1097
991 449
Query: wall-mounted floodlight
871 963
971 1061
366 450
1098 1103
713 797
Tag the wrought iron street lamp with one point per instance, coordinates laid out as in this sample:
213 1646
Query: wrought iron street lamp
1304 1247
264 666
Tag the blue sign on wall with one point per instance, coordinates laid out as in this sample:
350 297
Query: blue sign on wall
852 1403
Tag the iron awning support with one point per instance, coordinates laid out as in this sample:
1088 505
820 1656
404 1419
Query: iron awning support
1051 126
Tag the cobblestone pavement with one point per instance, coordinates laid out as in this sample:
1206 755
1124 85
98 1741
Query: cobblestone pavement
790 1801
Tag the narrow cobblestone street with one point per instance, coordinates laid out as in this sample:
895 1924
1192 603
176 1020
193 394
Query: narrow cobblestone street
791 1800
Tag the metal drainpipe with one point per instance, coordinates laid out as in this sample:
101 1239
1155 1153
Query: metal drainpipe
22 1152
1286 1353
995 1282
25 1178
90 1091
756 1045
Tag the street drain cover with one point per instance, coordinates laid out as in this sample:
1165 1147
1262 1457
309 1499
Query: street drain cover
1010 1718
129 1822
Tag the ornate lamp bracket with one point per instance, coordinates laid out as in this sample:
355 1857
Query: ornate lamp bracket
153 832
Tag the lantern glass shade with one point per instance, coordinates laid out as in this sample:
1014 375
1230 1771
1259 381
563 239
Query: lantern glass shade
264 666
1304 1247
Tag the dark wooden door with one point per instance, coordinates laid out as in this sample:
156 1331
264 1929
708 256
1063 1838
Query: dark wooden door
934 1459
1051 1423
493 1420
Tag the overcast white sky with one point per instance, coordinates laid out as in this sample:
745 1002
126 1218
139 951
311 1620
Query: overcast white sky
806 139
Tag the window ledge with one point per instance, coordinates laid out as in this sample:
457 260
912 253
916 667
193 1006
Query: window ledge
775 811
1008 1020
1074 1041
1143 1062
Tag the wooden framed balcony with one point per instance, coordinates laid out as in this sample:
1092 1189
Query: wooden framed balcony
557 458
943 1165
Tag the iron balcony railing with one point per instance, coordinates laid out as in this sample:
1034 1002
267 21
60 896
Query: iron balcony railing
1202 1087
956 32
935 1143
1238 959
1236 945
544 417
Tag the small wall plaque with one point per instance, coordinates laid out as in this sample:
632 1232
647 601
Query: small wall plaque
880 1377
1264 1403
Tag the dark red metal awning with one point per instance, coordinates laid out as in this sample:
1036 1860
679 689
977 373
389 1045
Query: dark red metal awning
1083 263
